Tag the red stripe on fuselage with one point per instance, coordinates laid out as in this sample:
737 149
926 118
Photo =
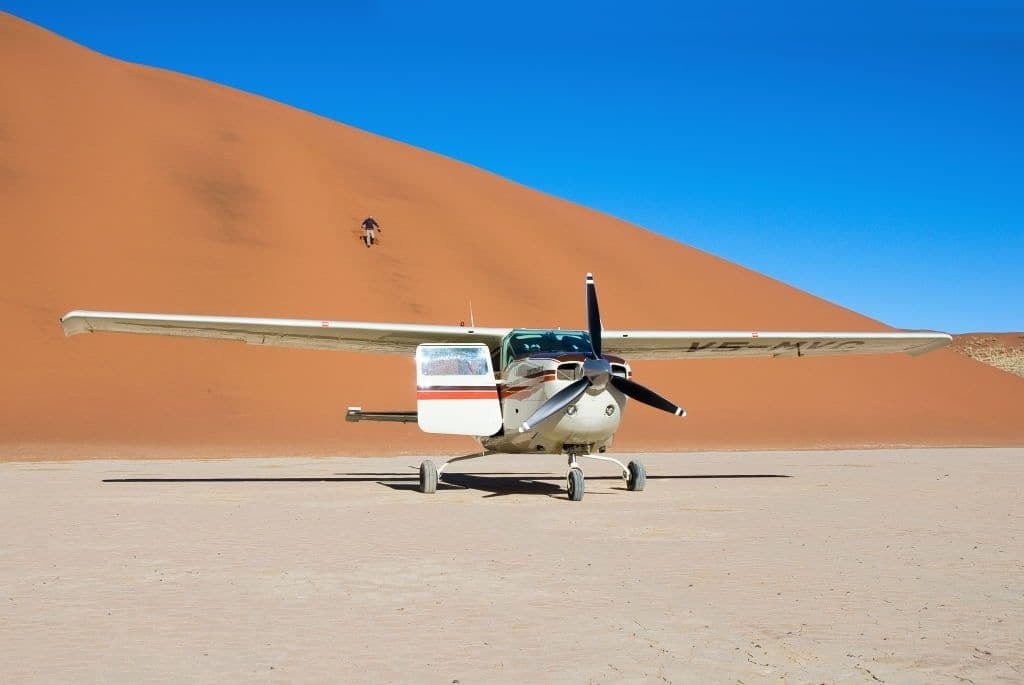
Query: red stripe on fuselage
532 382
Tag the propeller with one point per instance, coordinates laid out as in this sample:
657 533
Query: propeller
597 373
648 397
593 317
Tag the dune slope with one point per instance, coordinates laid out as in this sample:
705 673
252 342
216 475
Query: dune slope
124 187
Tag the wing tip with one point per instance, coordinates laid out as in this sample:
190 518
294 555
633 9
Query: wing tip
75 322
937 341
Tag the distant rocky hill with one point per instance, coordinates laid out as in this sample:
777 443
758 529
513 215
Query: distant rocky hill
1002 350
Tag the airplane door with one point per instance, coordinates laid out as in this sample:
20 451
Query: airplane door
455 390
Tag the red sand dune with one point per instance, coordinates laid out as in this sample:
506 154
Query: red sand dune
130 188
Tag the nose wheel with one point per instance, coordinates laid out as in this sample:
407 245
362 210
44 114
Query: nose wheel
574 483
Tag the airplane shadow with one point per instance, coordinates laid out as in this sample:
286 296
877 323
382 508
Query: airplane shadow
494 484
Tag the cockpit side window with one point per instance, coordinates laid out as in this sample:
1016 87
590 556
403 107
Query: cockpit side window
454 360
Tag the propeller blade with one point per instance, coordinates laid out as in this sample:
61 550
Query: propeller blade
556 403
648 397
593 316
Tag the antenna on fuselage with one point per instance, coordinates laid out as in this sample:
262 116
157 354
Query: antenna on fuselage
472 323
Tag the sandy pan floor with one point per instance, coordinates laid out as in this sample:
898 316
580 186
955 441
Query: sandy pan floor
845 567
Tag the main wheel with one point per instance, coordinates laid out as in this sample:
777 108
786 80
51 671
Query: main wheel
428 477
637 476
574 483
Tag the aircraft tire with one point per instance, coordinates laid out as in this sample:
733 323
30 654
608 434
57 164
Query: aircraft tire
574 483
428 477
637 476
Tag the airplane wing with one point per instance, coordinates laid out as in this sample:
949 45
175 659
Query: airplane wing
397 338
730 344
349 336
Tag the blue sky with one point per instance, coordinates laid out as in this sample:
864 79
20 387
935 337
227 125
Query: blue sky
872 155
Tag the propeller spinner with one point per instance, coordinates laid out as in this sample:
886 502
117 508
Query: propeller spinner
597 373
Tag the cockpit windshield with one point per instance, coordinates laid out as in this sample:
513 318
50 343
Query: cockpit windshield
532 342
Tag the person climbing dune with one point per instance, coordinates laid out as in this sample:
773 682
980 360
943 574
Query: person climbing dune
370 228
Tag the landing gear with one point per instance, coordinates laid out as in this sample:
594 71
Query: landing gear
428 477
634 475
574 483
637 476
431 474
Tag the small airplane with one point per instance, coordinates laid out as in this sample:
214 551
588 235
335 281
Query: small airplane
516 390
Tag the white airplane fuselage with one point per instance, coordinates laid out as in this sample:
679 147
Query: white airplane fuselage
587 425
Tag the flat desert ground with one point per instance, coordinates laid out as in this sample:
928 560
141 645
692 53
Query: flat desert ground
895 566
